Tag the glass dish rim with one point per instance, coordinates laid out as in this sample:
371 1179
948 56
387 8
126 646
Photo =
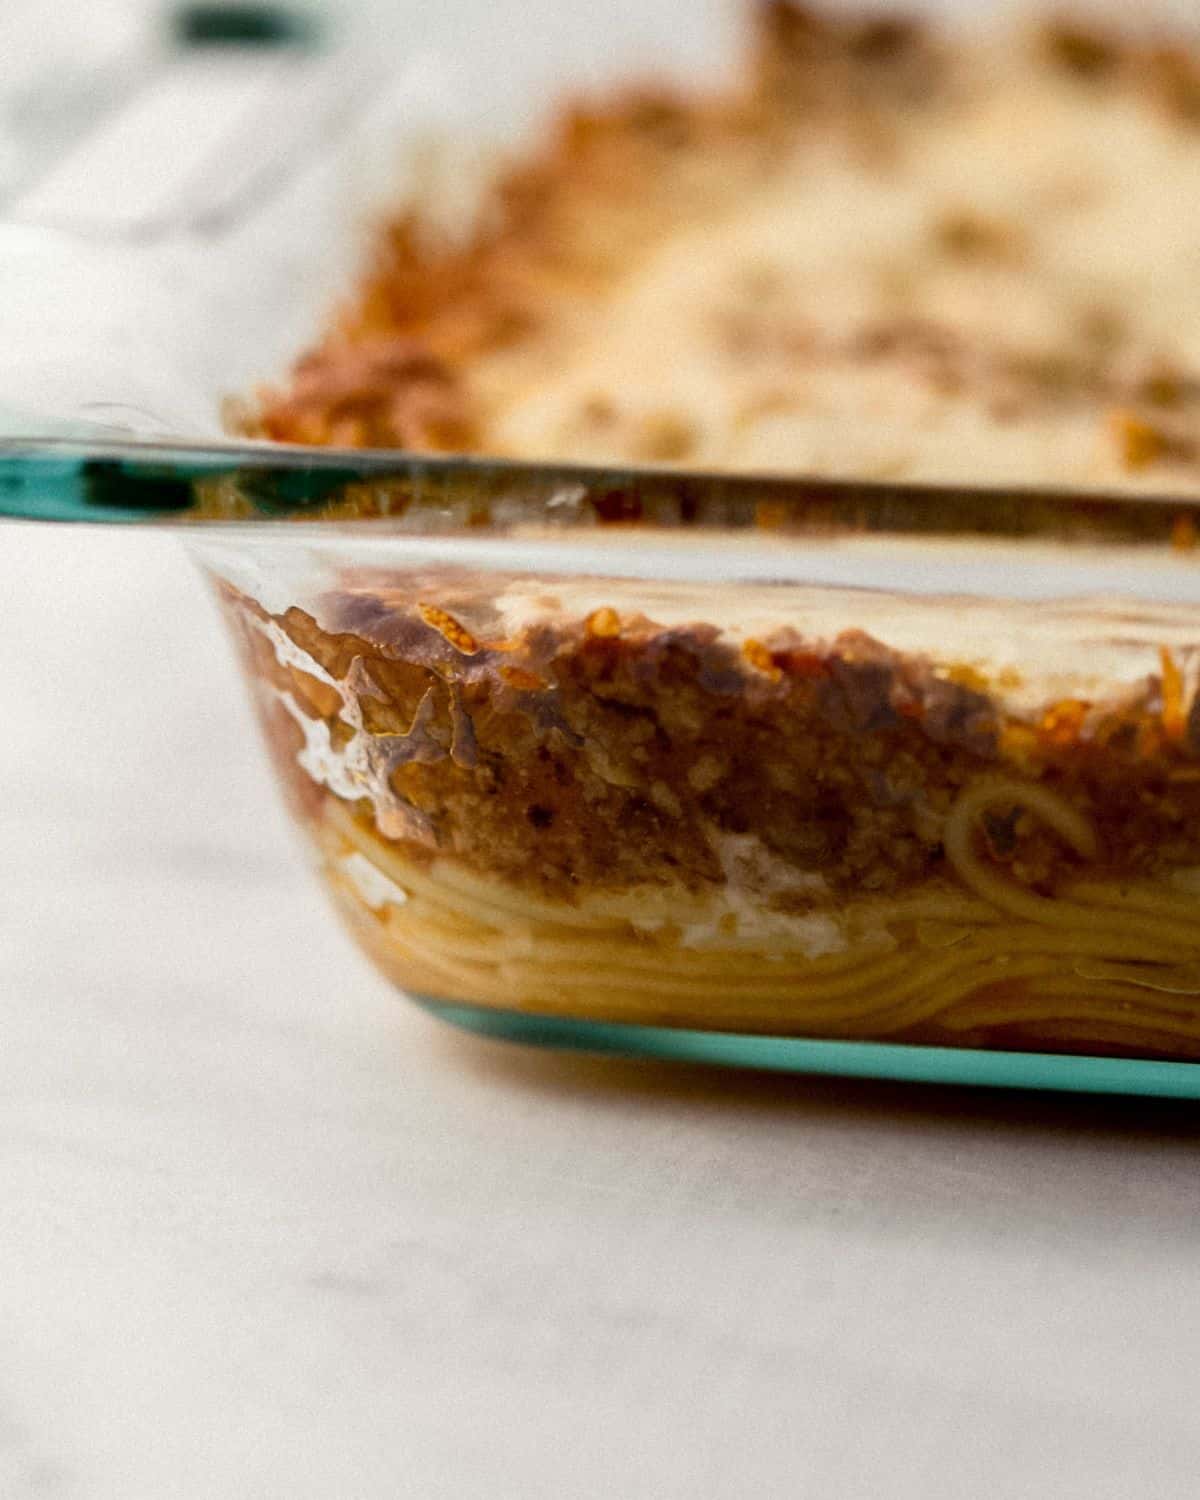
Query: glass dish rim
159 480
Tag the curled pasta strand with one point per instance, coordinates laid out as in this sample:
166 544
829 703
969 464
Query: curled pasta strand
958 840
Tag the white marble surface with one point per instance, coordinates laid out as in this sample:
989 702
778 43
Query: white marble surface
267 1231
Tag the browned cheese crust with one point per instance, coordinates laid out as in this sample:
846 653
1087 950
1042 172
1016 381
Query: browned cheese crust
446 342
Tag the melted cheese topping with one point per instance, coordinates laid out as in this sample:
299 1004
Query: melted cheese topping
990 296
1027 655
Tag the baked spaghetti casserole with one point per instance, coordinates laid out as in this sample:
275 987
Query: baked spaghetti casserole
885 254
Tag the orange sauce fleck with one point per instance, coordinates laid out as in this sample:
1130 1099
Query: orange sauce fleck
760 658
1138 443
1173 720
1183 534
603 624
446 625
1062 723
523 681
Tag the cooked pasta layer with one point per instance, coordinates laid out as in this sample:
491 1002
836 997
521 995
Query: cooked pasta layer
1117 964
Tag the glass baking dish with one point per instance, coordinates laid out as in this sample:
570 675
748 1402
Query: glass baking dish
874 780
863 778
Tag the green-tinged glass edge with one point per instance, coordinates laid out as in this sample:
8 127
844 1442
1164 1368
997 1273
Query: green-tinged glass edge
786 1054
80 476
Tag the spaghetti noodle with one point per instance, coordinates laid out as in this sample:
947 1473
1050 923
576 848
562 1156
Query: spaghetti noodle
1119 962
